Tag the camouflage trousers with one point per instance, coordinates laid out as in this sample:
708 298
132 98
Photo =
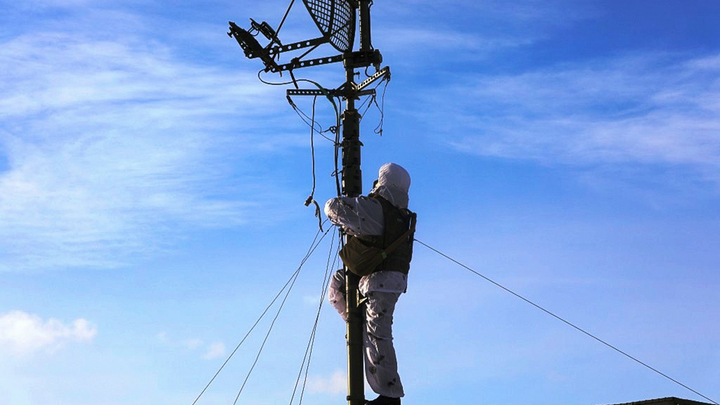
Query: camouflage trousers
381 369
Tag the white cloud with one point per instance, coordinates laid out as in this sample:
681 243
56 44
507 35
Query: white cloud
193 345
334 384
112 148
422 40
431 32
214 350
22 333
311 299
162 337
653 109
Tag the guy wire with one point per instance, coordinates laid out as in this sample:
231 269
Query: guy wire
312 248
277 32
322 299
277 314
564 321
311 340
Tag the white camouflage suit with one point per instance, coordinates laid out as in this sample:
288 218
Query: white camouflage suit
362 216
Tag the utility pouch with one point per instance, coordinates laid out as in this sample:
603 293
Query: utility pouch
360 258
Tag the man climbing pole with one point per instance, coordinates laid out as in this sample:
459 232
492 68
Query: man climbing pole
380 232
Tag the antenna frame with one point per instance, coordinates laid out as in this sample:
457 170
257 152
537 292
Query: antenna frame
315 8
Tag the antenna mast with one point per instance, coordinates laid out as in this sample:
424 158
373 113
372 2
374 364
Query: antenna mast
336 21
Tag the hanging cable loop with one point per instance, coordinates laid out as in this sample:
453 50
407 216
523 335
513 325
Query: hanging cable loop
311 198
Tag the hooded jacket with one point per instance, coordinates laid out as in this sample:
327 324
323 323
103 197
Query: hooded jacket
380 218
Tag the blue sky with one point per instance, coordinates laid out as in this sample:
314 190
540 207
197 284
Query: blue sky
151 196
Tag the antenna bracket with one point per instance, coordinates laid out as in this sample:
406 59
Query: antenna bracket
363 59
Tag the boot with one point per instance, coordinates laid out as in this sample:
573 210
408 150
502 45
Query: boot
383 400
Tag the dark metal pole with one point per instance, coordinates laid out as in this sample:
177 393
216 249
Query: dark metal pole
351 172
365 40
352 187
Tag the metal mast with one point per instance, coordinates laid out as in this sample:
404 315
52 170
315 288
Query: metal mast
336 21
352 187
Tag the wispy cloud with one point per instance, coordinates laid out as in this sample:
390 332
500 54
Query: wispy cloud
430 32
113 146
210 350
333 384
654 109
420 41
192 343
22 333
214 350
311 299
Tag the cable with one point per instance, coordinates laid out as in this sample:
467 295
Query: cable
307 255
322 299
267 335
245 337
311 198
311 340
564 321
379 128
277 32
372 100
312 146
337 151
367 101
259 75
307 120
277 314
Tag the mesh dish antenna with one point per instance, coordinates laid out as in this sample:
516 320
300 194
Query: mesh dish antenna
336 21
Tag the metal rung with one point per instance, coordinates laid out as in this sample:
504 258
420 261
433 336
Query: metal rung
305 63
303 92
328 92
380 73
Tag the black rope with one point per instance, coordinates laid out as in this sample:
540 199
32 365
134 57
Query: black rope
372 100
307 119
312 151
312 248
311 198
379 128
259 75
312 145
310 121
338 131
565 321
367 103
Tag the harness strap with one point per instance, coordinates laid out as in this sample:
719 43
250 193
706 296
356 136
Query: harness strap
399 240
